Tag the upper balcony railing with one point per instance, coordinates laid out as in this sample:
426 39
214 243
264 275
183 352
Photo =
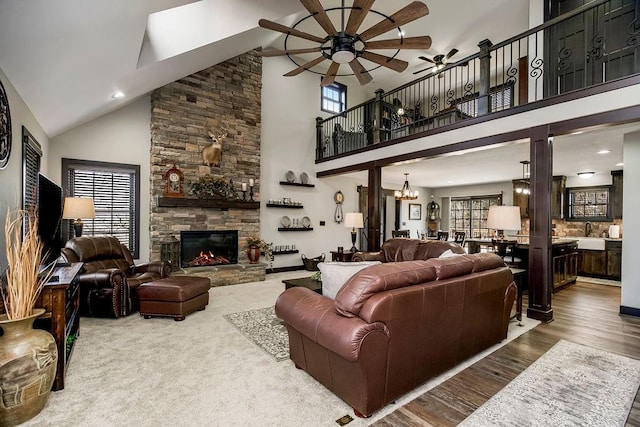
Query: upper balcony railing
593 44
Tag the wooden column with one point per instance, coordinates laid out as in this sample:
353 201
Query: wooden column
373 206
377 113
319 149
540 250
485 76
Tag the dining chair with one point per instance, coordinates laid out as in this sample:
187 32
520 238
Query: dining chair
400 233
443 235
459 237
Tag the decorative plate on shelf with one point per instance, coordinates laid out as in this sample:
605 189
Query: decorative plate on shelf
304 178
306 222
285 221
291 177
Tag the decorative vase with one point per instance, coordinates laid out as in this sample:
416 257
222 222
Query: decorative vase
27 368
253 253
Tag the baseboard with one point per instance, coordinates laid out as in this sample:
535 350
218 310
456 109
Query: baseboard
630 311
284 269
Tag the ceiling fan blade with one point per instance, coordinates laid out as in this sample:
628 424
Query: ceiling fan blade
320 15
360 72
421 71
270 25
405 15
405 43
424 58
386 61
331 74
271 53
358 13
306 66
451 53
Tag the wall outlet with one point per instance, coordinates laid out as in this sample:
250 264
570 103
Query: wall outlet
322 223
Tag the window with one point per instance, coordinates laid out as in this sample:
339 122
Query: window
31 154
500 98
469 214
115 189
588 204
333 98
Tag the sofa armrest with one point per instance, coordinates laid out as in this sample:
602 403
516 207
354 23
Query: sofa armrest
368 256
161 267
315 317
105 278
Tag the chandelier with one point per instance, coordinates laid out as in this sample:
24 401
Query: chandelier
522 187
406 193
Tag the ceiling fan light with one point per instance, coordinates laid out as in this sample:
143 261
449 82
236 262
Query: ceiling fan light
343 56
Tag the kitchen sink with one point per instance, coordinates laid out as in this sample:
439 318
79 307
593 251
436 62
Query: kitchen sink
591 243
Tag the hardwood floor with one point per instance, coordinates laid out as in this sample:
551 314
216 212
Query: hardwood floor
583 313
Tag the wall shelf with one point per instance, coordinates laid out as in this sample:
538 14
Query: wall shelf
296 184
295 228
174 202
277 205
294 251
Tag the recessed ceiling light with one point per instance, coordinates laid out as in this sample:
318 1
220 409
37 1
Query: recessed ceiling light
117 94
604 151
586 175
620 164
449 182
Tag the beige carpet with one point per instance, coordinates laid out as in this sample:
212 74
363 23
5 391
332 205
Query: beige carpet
199 372
569 385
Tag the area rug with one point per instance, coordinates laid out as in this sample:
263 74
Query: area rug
570 384
263 328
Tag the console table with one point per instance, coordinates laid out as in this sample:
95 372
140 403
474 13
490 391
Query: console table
341 256
60 298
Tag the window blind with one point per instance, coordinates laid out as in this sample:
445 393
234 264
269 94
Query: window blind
31 155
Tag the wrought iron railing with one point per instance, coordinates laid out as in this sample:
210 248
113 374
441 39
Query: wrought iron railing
593 44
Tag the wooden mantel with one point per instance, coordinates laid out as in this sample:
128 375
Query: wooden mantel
175 202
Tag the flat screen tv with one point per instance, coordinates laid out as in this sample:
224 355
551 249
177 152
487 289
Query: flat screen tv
49 209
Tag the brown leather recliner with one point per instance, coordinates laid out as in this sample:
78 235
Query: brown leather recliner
109 278
399 249
393 326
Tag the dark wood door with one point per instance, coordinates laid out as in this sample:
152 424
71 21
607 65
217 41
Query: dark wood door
593 263
596 46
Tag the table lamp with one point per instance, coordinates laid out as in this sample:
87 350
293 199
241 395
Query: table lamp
502 218
353 220
77 208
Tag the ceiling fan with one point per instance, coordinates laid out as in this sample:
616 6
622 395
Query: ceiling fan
346 45
438 61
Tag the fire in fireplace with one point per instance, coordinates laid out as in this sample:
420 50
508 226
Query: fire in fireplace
207 248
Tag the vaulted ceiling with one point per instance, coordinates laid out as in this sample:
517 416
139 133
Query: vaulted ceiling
67 58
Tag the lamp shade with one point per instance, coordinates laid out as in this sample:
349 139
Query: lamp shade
354 219
78 207
504 218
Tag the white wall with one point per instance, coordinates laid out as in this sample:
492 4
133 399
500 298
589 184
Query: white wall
289 108
631 214
122 136
11 175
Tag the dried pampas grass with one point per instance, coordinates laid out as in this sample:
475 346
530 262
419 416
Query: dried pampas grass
24 254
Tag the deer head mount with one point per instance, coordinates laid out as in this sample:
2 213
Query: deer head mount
212 153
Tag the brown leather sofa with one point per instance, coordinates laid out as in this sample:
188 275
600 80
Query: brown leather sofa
401 249
395 325
109 278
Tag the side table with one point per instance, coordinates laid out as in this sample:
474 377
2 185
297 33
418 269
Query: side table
520 278
60 297
341 256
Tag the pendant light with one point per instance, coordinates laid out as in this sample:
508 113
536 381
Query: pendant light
406 193
523 186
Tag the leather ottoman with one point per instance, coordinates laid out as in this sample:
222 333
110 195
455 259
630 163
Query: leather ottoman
173 296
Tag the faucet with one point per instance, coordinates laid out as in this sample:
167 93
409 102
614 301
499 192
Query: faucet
587 229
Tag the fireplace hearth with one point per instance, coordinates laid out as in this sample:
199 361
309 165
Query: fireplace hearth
208 248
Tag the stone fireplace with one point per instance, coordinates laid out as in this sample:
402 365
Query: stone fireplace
208 248
224 98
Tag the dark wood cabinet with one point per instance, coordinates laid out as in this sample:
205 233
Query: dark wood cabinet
565 264
593 263
616 194
558 186
614 259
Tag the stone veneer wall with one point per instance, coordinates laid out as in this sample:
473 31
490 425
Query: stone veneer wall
222 98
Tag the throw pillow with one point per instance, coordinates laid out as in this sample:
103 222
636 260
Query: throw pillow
336 274
448 253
